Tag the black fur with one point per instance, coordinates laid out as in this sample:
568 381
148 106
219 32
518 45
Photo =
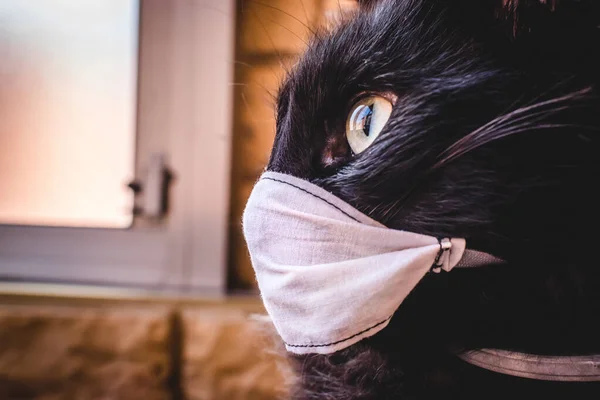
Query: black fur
494 137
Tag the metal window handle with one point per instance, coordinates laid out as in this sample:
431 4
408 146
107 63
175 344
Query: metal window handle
154 189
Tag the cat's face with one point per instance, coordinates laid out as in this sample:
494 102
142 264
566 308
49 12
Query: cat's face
432 116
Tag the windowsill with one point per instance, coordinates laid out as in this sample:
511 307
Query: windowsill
65 293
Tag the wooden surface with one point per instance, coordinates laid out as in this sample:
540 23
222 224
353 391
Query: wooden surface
67 348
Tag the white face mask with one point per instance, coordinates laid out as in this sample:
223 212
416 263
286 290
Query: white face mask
330 276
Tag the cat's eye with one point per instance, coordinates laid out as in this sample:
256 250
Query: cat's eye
366 121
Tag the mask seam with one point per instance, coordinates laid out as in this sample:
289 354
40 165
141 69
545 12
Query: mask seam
341 340
314 195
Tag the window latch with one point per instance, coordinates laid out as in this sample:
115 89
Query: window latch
152 193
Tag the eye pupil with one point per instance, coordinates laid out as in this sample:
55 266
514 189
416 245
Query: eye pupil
365 122
360 120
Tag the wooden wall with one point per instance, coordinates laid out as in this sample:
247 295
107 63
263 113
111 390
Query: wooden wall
271 34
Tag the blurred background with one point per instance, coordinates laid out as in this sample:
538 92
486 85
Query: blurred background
131 134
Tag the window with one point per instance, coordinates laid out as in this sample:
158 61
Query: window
69 109
160 93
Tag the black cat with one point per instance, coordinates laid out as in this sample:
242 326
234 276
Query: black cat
493 136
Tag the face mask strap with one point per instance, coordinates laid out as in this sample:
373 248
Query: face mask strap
470 258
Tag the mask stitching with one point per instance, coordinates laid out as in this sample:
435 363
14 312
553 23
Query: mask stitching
314 195
341 340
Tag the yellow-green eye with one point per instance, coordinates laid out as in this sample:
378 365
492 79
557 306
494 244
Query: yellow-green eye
365 122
